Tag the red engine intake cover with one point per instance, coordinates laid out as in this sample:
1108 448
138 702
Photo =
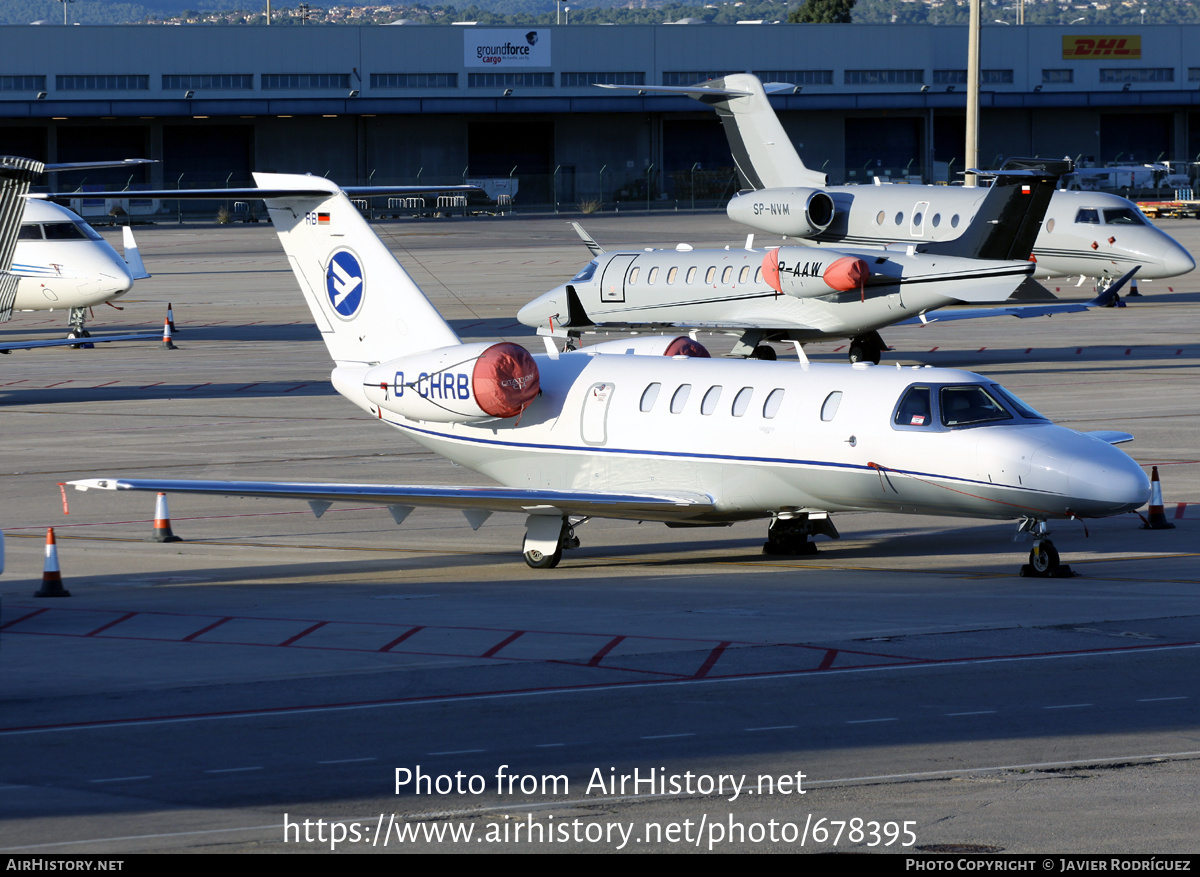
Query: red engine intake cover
770 269
846 273
684 346
505 380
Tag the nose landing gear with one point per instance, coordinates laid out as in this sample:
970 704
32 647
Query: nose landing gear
1043 557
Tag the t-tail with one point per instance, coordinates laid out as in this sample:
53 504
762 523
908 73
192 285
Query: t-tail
367 307
762 150
1010 215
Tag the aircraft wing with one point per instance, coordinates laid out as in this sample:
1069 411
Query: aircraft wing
10 346
1108 298
250 194
401 499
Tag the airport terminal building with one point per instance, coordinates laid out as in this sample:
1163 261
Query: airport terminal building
440 104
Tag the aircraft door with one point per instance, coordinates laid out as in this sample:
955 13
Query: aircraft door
593 420
916 226
612 283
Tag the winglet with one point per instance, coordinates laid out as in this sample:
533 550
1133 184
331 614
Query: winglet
133 258
594 248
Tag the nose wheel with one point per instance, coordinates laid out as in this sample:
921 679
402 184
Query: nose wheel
1043 557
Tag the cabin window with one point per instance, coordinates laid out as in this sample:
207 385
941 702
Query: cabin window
774 400
649 396
829 407
1122 216
880 217
652 276
710 274
1049 225
954 221
742 401
671 275
758 274
937 220
900 218
1088 215
633 275
914 408
691 275
744 274
963 406
917 217
709 403
680 398
727 273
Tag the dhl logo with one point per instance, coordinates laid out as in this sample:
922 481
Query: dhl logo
1078 48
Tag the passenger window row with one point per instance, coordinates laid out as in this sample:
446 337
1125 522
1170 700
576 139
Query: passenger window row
711 399
743 276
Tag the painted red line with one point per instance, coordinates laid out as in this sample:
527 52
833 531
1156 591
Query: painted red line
1128 350
1177 352
402 638
109 384
828 660
22 618
1179 510
492 651
22 381
470 325
1029 350
197 387
981 349
247 387
58 384
113 623
710 662
931 349
600 655
191 636
1078 350
297 387
148 386
836 349
304 633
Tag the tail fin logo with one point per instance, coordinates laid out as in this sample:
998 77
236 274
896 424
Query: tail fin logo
344 283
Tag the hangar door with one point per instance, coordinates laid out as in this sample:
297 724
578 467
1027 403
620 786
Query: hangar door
495 148
879 144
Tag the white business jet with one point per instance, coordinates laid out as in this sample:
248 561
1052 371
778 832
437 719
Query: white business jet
1092 234
806 294
51 259
650 430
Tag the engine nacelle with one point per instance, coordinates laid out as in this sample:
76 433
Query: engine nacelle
807 272
797 212
650 345
461 384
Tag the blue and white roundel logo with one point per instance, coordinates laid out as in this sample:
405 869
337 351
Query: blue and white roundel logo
344 283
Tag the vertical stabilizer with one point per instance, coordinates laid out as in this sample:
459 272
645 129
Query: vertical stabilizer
15 176
364 303
762 150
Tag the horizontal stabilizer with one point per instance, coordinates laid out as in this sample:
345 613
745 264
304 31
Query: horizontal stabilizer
665 506
1110 436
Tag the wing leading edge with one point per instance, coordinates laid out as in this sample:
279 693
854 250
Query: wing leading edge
401 498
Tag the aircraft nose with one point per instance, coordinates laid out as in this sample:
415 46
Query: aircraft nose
1178 260
1106 481
539 312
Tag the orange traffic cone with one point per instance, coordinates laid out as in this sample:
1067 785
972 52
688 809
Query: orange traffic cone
166 342
1157 514
1133 290
162 522
171 318
52 585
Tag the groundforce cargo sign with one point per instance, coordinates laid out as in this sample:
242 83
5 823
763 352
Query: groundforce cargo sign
506 48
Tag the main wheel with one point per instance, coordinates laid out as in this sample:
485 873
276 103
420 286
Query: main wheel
1044 558
858 352
538 560
764 352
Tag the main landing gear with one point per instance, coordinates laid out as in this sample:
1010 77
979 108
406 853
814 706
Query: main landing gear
546 536
1043 557
789 535
867 348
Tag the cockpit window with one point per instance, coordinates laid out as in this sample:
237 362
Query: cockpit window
1122 216
64 231
586 274
1015 403
914 408
30 232
970 404
1089 215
